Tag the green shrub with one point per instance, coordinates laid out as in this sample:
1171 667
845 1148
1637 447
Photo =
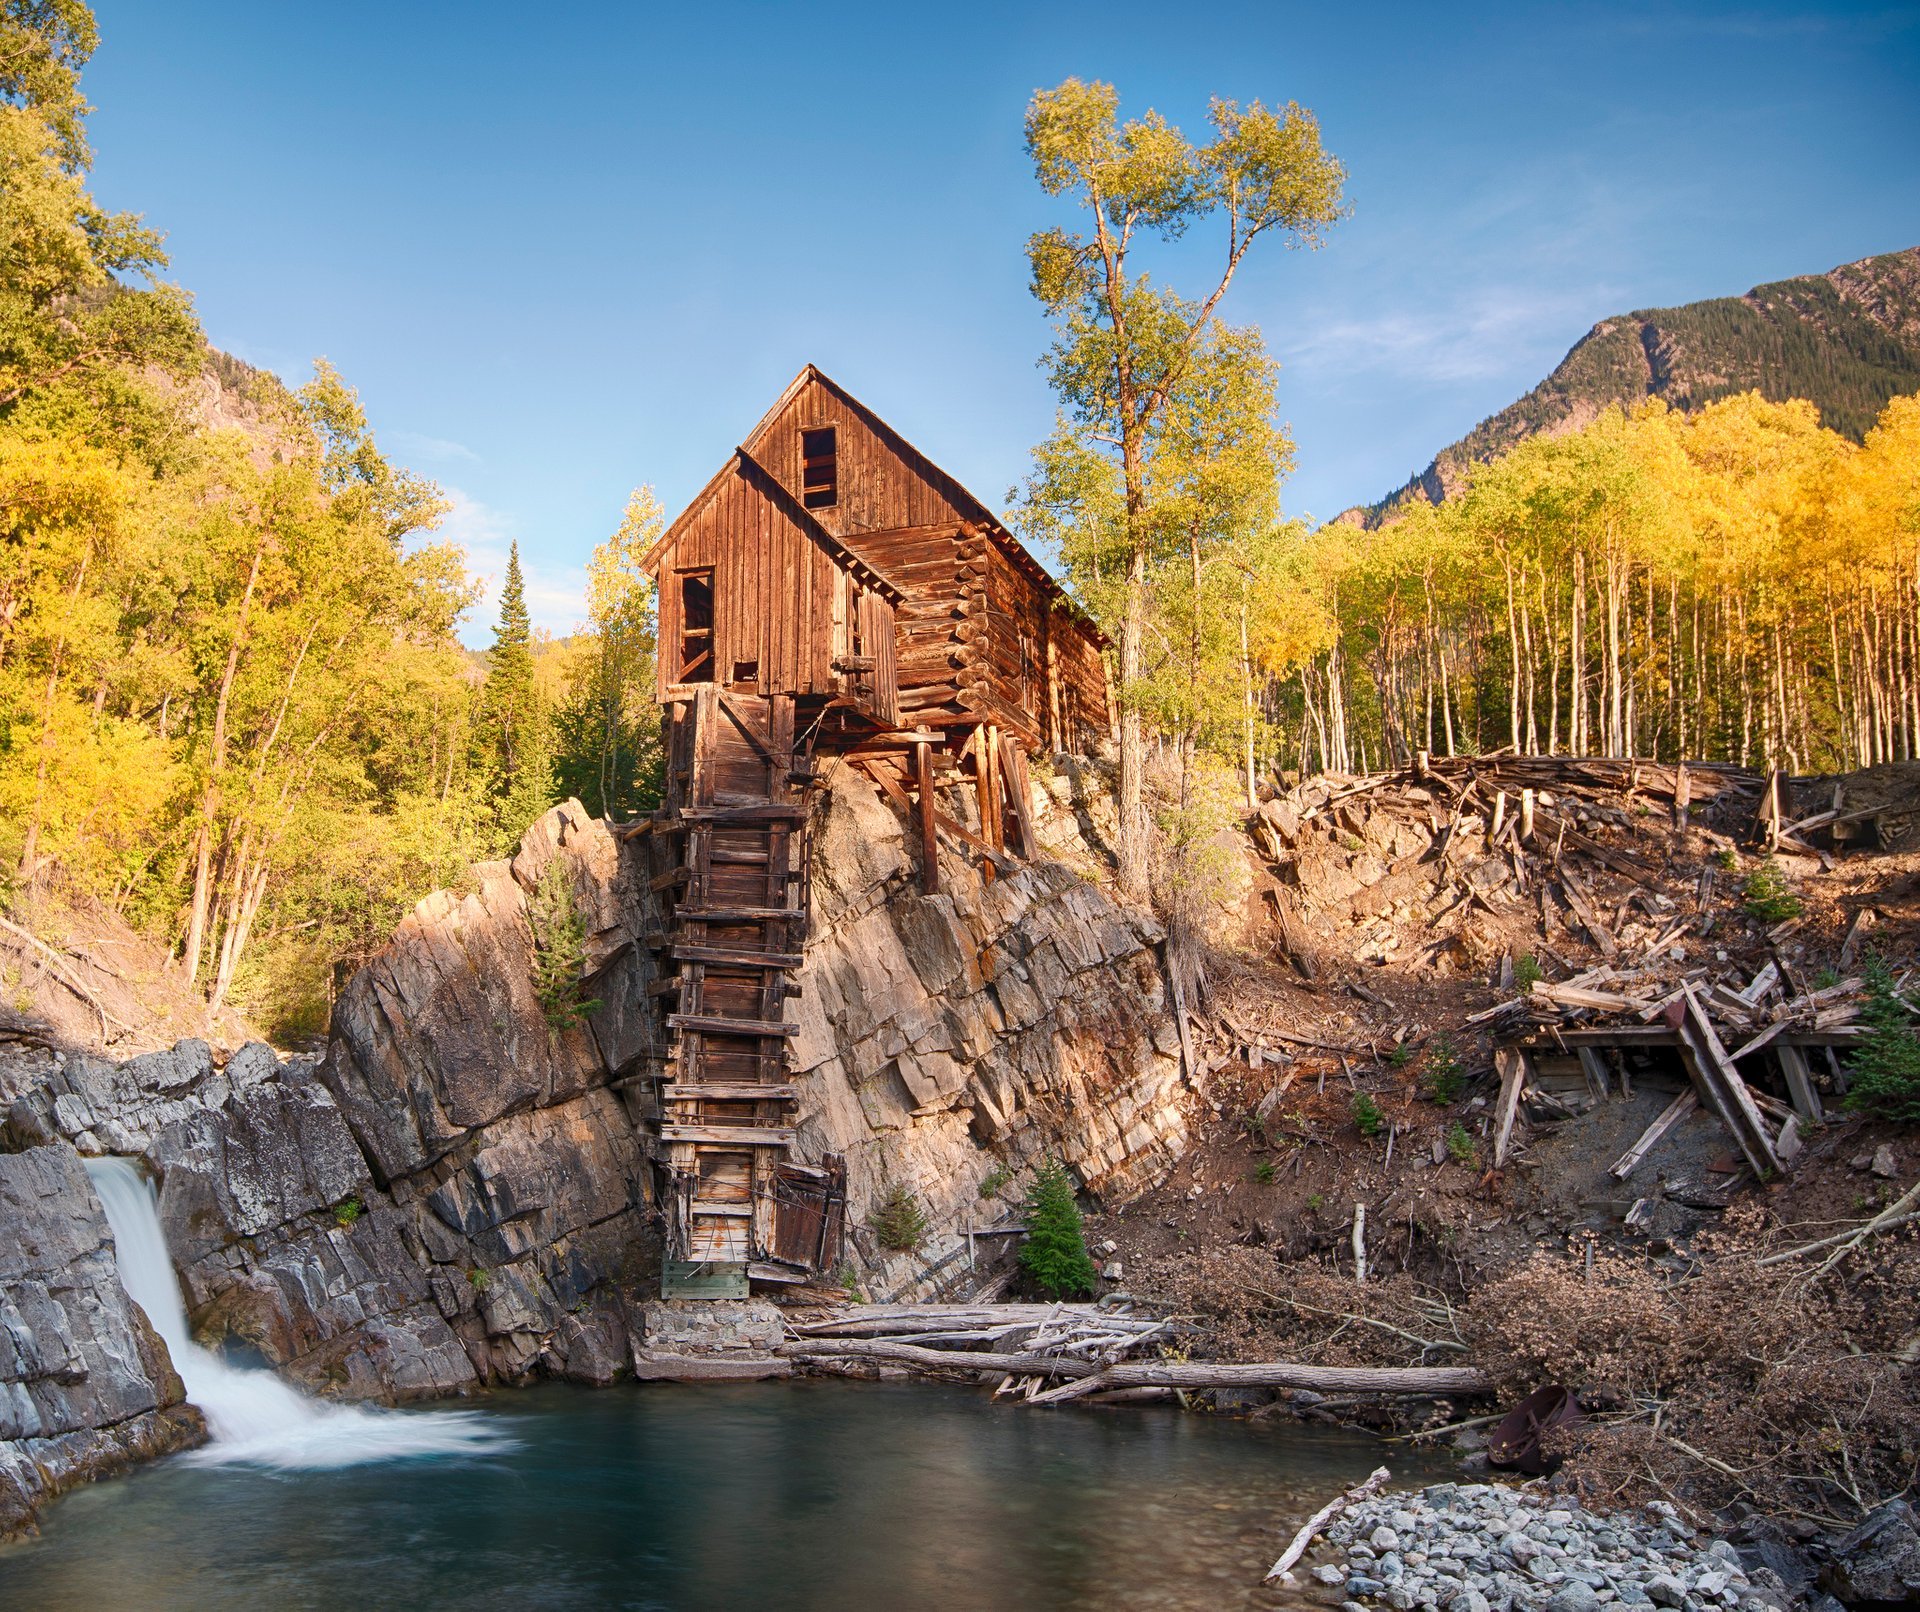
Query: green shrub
481 1280
1527 972
994 1182
559 948
1315 1200
1883 1077
347 1211
1461 1145
1367 1115
1767 897
899 1223
1054 1253
1265 1171
1402 1054
1726 859
1441 1076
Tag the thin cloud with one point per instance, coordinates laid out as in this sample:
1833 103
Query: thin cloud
440 449
1482 334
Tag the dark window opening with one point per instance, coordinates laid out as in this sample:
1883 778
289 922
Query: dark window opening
819 468
696 627
746 671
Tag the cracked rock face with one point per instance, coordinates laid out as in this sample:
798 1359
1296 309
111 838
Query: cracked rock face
86 1389
945 1038
457 1195
451 1197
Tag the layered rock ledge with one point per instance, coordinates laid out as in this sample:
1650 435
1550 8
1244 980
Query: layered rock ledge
86 1388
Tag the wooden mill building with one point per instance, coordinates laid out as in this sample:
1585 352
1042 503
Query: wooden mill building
830 592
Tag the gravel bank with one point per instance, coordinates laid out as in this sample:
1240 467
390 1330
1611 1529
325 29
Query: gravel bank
1486 1548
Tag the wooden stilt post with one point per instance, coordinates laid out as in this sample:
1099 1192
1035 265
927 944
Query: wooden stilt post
929 850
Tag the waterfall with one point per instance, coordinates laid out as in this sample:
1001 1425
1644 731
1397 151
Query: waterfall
254 1417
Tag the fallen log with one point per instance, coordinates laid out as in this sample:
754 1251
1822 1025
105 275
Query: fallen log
1188 1374
1319 1520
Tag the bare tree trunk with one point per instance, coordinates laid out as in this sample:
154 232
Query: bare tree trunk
210 796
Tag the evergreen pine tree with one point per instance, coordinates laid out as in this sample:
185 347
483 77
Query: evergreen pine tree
1054 1255
1884 1072
517 748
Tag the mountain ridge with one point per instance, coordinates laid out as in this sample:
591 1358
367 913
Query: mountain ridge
1847 340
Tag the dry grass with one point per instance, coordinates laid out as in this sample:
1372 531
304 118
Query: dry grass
1790 1387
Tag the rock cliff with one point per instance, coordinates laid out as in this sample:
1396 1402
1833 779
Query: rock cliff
457 1195
86 1389
946 1040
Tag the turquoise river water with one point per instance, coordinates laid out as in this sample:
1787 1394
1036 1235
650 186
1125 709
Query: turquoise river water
805 1496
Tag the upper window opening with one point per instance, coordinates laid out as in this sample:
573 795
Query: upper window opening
819 468
696 627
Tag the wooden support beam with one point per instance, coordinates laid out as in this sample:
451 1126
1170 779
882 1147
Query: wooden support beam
743 816
1720 1084
1014 769
730 1135
929 843
709 1024
727 1091
1806 1099
735 956
1511 1063
735 915
1594 1067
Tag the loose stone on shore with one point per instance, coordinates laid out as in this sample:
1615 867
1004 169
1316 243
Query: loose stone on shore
1488 1548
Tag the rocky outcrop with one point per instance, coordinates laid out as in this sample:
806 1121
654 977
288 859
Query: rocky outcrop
458 1194
452 1196
86 1388
946 1040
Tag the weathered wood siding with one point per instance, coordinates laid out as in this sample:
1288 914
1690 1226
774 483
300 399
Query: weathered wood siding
882 484
781 602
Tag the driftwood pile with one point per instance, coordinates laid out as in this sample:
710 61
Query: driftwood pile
1633 862
1406 859
1099 1352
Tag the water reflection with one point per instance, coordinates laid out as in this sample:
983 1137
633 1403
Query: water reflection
796 1497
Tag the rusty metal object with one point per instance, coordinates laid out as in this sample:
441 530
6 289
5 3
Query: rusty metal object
1516 1439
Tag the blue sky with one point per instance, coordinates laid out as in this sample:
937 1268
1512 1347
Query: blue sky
565 252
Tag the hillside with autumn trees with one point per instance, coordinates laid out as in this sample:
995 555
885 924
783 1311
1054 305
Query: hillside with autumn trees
233 708
236 714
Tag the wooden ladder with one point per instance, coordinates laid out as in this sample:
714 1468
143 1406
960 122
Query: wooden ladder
730 856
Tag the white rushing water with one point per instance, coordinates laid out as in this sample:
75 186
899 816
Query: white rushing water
254 1417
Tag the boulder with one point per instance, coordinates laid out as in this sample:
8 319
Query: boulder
1879 1561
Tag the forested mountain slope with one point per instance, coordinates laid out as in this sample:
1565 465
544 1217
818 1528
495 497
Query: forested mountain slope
1847 341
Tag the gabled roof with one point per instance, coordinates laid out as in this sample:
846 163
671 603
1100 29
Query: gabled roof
951 489
743 463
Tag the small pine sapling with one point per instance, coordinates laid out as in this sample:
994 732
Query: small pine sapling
899 1223
1441 1076
1460 1144
1884 1074
559 948
1054 1254
1367 1115
1767 896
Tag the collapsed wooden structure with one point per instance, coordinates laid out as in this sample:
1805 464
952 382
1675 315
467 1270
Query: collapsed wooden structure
829 593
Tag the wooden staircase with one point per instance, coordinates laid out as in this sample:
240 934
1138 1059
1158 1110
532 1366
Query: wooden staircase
730 863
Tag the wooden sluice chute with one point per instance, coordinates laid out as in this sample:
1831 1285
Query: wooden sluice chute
730 865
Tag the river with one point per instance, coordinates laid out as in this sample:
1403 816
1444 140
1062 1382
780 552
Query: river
808 1496
800 1496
